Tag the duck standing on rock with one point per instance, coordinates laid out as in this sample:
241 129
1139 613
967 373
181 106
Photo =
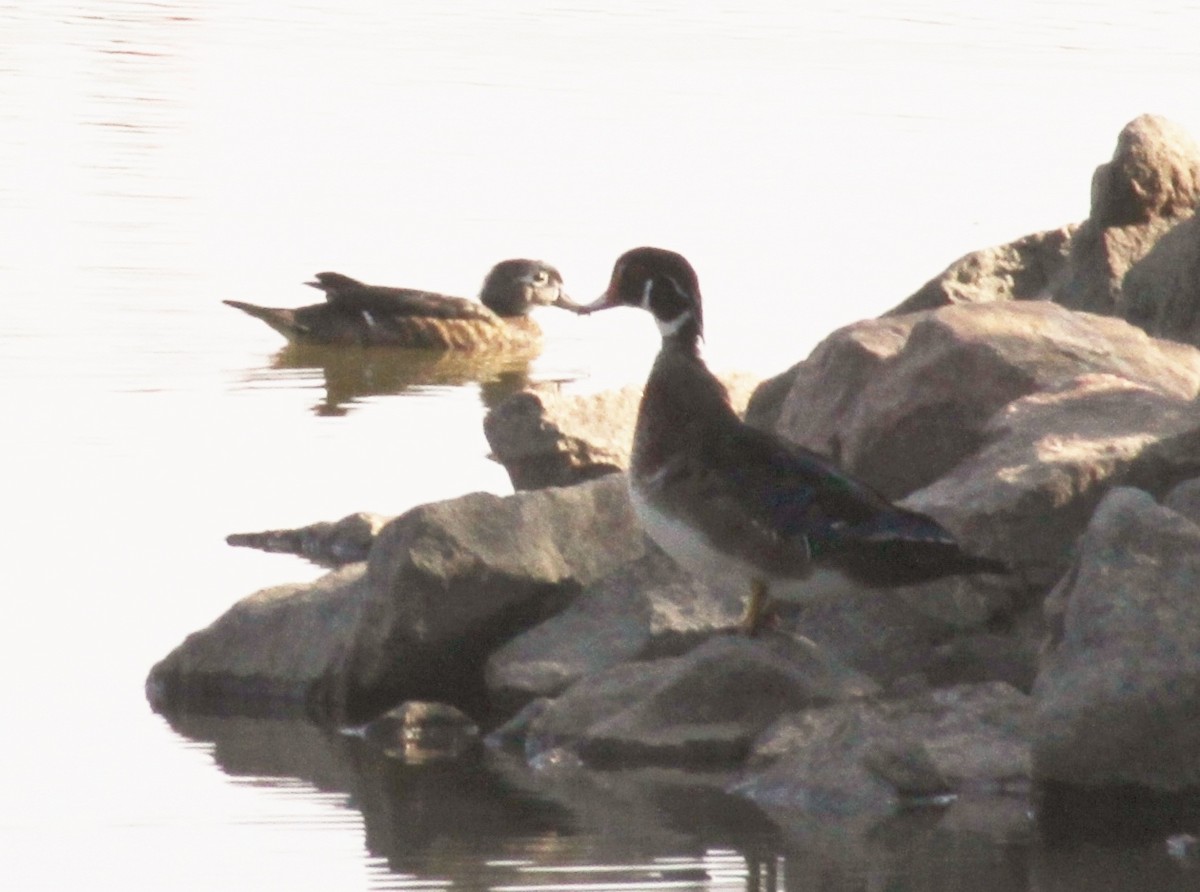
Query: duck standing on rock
355 313
730 502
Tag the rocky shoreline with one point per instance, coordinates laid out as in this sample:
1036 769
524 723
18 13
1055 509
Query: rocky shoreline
1041 399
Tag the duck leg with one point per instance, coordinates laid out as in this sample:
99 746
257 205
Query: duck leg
757 608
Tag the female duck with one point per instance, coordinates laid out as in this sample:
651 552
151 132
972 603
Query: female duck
376 315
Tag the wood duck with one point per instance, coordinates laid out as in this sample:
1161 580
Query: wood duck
377 315
730 502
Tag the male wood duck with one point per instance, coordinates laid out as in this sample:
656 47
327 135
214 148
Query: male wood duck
730 502
377 315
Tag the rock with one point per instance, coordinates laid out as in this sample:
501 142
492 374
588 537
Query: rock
544 438
646 609
268 653
420 732
702 709
445 584
1160 289
1185 499
328 544
1052 456
1120 680
1151 184
454 580
1154 173
1023 269
1005 421
871 756
900 401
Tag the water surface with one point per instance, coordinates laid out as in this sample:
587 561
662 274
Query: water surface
817 163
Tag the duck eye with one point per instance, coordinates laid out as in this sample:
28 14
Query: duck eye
541 278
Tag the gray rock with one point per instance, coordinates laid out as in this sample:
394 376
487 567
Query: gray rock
328 544
1120 680
701 709
870 757
454 580
445 585
545 438
646 609
1185 499
268 653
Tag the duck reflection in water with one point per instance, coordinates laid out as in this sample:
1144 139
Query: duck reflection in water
349 376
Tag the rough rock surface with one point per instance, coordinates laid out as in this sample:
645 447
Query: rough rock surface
872 756
545 438
646 609
1118 691
329 544
268 652
445 584
701 709
1024 269
1009 418
924 387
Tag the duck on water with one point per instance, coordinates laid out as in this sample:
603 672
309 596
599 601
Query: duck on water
355 313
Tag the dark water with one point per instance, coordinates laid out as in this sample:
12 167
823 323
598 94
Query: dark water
817 162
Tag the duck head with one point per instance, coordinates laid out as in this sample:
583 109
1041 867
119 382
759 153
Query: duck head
514 287
661 282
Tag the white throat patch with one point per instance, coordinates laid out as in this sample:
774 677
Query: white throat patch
668 327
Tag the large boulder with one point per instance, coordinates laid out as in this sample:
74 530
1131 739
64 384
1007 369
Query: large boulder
702 709
874 756
1119 686
1006 421
445 584
900 401
546 438
1162 289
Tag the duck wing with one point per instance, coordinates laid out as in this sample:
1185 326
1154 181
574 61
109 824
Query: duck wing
354 296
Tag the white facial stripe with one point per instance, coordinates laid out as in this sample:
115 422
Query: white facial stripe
668 327
646 294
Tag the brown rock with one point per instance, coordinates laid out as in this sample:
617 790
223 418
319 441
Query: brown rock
1151 184
1020 270
545 438
900 401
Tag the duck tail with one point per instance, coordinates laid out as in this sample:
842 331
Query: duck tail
283 321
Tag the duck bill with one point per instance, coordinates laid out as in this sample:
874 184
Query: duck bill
564 301
604 302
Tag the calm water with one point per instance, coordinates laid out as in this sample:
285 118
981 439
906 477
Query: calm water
816 161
